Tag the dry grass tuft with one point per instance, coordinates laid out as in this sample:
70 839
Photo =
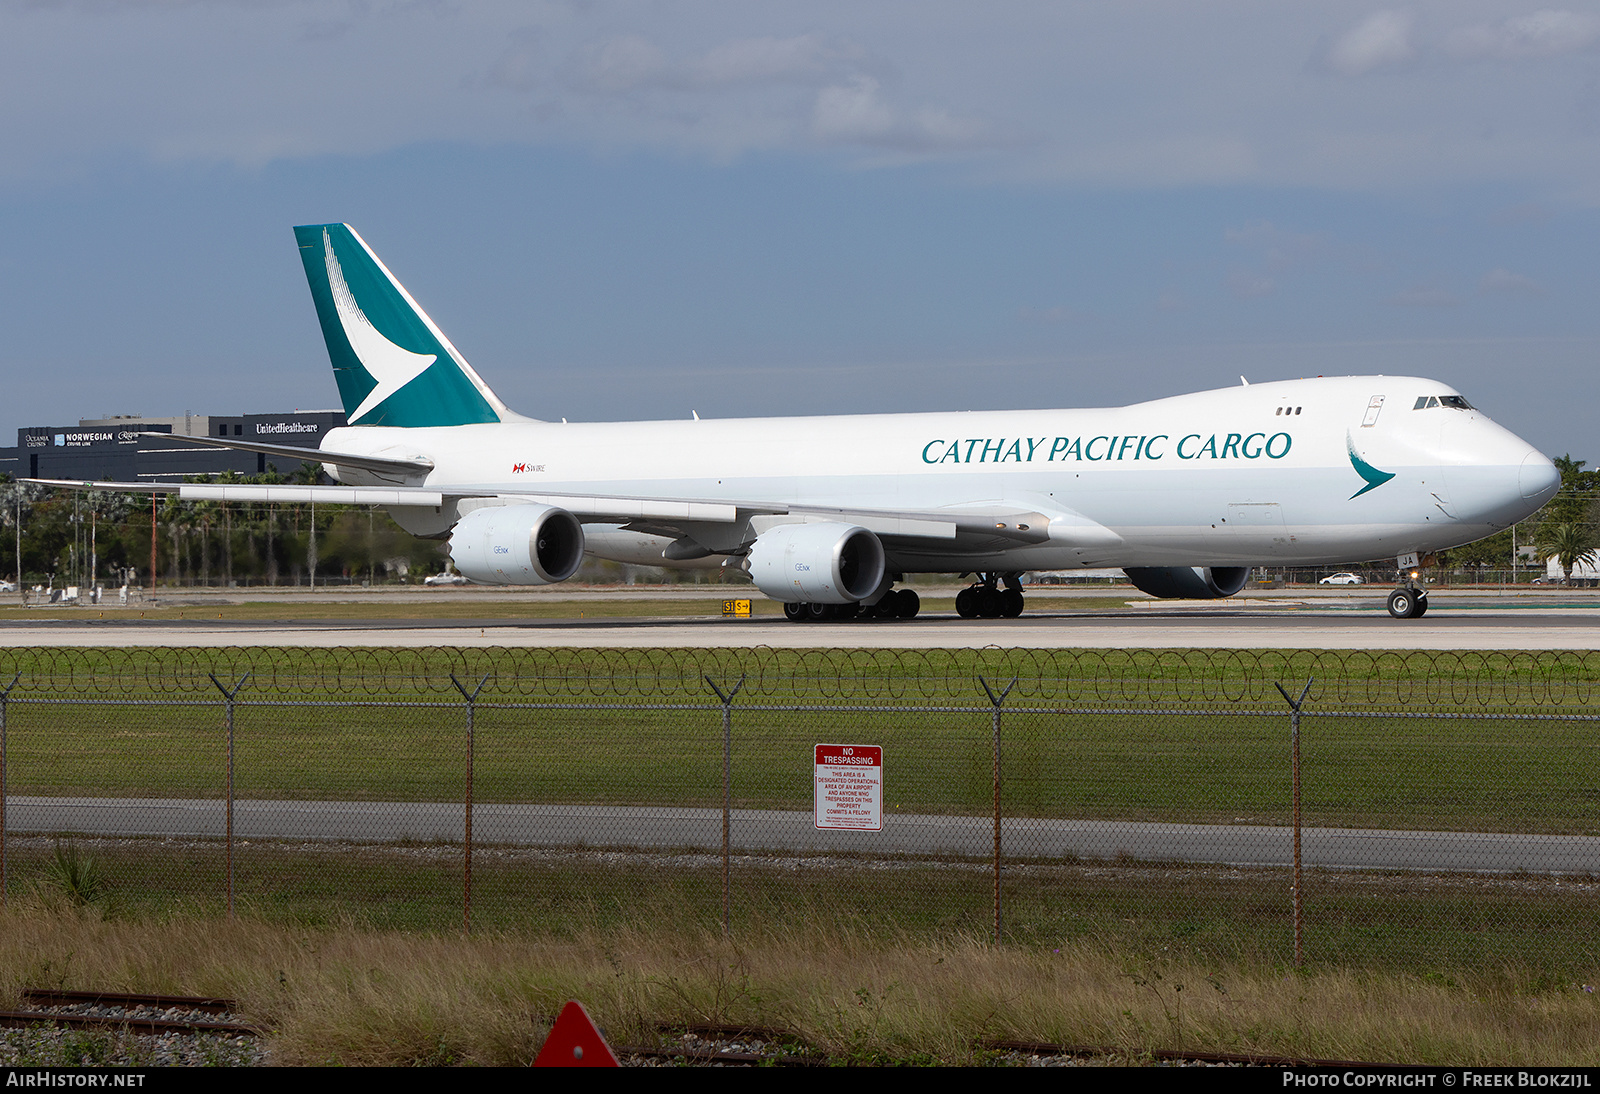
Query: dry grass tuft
354 996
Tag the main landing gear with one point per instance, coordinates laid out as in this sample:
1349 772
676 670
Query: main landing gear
986 600
894 604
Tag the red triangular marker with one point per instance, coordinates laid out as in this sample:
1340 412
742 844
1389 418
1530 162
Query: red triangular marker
574 1041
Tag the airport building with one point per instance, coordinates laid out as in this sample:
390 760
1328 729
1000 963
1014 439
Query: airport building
131 448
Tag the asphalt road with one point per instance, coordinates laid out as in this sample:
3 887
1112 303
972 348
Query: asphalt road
769 831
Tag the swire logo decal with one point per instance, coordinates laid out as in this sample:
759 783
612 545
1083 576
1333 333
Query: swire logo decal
1374 477
524 468
1192 446
391 367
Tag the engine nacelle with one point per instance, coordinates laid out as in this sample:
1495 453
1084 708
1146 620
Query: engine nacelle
1188 582
817 563
517 545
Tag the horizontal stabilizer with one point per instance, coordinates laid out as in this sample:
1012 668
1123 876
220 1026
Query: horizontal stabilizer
416 466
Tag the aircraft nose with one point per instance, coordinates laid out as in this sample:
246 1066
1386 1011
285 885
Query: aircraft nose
1538 478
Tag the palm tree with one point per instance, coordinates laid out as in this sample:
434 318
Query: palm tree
1567 543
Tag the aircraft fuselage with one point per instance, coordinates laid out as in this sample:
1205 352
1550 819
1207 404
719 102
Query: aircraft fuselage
1313 471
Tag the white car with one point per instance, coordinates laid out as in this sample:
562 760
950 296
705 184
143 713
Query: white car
446 578
8 586
1342 579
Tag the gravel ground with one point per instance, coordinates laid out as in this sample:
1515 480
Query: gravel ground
54 1046
773 1053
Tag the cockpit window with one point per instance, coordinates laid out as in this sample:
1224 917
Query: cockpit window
1454 402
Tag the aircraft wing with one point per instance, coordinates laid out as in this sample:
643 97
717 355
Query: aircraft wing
615 510
997 523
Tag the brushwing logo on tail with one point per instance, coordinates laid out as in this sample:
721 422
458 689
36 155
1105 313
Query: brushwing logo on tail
1374 478
392 366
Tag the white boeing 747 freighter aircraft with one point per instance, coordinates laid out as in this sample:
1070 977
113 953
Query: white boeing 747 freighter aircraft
827 514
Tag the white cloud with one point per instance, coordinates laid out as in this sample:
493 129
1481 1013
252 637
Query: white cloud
740 94
855 113
852 112
1381 40
629 62
1546 33
620 64
1160 94
750 60
1513 284
521 66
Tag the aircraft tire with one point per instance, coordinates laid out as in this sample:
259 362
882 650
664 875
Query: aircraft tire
909 604
888 607
967 603
1011 603
990 605
1421 607
794 611
1403 604
819 613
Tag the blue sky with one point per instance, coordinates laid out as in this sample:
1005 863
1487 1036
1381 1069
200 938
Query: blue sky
626 210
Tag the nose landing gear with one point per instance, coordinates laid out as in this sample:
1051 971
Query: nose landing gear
1410 600
1408 603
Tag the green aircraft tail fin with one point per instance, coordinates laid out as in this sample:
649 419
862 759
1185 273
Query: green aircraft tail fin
393 366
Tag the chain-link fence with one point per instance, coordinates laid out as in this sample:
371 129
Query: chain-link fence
1448 801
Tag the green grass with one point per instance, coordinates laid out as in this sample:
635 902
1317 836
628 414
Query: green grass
1400 921
1469 774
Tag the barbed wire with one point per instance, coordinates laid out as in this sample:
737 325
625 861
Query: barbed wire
1425 679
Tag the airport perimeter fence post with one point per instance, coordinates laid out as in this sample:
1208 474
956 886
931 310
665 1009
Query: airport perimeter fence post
5 696
995 701
727 790
466 873
1294 751
227 701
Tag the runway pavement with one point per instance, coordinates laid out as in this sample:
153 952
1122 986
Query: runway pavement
756 831
1212 626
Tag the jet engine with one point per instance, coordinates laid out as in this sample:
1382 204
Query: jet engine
1188 582
817 563
517 545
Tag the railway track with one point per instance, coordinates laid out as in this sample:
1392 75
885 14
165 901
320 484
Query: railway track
128 1011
